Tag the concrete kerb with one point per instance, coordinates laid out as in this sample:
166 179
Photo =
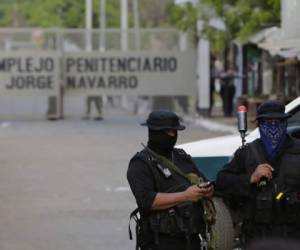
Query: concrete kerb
211 124
215 126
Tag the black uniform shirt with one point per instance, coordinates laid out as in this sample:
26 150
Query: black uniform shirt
143 182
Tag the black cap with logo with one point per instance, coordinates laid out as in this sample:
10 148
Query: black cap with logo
163 119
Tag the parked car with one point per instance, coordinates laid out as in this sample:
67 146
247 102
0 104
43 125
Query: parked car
210 156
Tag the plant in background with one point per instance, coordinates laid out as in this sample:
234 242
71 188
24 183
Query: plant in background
184 17
241 18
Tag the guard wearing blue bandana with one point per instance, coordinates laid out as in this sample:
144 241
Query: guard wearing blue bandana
263 178
273 135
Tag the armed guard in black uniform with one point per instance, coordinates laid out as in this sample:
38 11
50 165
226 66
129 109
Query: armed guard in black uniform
264 176
170 192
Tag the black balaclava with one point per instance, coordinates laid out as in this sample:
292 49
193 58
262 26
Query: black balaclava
161 143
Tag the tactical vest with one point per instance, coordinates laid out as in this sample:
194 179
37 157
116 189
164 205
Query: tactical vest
179 220
278 202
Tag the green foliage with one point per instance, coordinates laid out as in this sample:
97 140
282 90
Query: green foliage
241 18
71 13
54 13
5 15
8 10
112 13
65 13
184 17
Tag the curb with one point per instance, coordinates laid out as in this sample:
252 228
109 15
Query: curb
215 126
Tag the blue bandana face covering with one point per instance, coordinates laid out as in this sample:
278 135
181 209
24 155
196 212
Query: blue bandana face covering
273 134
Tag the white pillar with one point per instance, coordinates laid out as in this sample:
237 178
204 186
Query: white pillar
102 25
137 25
88 24
238 82
124 39
290 21
183 41
124 25
203 76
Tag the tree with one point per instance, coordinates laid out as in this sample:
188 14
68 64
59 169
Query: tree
183 16
241 18
9 13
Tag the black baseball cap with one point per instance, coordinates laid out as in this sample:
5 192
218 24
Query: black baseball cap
271 109
163 119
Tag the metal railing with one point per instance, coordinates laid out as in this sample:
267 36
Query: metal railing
75 39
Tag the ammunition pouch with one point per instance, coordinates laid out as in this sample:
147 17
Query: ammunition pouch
263 206
176 221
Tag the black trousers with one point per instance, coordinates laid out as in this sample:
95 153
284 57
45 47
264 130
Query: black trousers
97 100
227 93
266 231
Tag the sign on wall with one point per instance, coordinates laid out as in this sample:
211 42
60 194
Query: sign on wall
29 73
114 73
130 73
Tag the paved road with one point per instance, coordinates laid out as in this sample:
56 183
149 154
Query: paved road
63 184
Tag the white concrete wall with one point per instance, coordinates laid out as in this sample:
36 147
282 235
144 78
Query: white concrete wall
290 22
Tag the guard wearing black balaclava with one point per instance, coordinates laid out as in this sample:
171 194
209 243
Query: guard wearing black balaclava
162 131
162 142
169 203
